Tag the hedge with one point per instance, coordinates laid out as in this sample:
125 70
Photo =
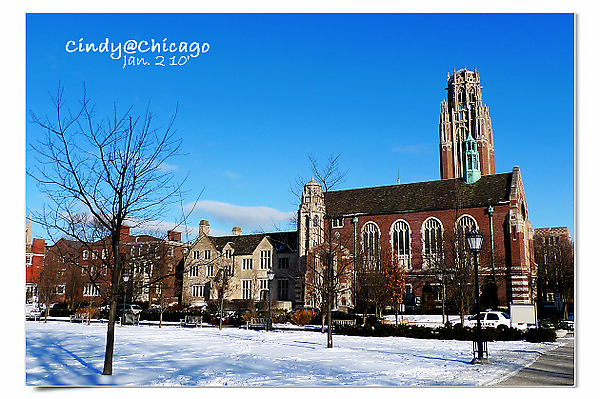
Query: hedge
456 332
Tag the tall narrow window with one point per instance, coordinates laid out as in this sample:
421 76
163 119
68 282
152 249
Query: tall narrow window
246 289
197 290
265 259
432 237
246 264
283 289
401 242
264 289
284 263
371 244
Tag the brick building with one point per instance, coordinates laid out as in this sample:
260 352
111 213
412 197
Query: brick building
154 265
418 223
35 252
554 254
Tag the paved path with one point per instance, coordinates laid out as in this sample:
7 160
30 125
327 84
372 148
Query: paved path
556 367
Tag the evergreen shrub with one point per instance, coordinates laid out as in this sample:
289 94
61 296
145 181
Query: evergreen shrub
456 332
540 335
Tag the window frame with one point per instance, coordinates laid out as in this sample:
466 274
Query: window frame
403 235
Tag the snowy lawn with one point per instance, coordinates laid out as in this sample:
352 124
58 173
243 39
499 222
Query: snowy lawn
60 353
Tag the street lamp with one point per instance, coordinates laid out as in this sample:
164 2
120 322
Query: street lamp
441 277
474 240
125 280
270 276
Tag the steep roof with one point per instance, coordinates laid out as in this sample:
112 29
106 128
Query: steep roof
246 244
242 245
423 196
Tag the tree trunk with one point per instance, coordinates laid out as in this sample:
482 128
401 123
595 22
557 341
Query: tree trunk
110 338
112 315
329 324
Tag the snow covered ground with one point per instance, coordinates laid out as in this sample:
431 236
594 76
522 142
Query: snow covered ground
70 354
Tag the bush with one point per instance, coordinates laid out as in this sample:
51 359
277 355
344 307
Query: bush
456 332
249 315
60 313
301 317
540 335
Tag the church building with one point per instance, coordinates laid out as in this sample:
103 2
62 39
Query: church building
422 225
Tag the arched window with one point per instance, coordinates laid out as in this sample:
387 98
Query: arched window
370 242
401 242
464 224
432 237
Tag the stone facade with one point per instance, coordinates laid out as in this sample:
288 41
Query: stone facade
242 261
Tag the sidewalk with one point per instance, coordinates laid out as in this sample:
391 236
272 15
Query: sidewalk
554 368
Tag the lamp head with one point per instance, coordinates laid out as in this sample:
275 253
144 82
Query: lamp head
474 240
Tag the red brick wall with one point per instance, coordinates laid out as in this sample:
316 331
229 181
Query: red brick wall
416 276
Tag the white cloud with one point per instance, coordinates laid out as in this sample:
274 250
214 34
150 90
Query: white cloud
165 167
248 217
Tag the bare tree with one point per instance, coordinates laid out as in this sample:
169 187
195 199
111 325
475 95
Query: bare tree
556 268
47 284
458 268
99 175
331 261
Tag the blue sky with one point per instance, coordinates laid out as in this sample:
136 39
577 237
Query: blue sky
274 88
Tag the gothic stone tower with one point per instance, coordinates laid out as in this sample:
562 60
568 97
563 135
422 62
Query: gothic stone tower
464 113
310 218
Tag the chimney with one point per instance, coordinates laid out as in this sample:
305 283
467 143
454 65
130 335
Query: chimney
38 246
174 235
124 232
204 228
236 231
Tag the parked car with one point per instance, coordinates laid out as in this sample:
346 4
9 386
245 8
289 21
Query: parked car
59 306
135 309
32 310
492 319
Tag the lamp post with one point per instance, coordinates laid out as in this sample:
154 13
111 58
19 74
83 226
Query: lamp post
474 240
441 277
354 222
270 276
125 280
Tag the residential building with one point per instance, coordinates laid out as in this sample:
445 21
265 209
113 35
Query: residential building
35 251
153 264
554 254
237 265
